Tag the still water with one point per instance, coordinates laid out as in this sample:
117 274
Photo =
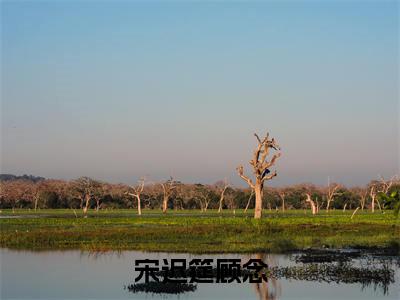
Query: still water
83 275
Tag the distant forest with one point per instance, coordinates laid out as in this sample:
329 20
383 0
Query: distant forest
34 192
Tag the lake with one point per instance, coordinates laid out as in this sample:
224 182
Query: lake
83 275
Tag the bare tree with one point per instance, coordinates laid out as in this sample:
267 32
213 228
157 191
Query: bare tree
376 187
248 201
204 195
261 171
362 194
331 192
317 205
313 206
137 191
168 187
102 190
230 200
282 196
372 194
386 185
354 212
222 188
84 188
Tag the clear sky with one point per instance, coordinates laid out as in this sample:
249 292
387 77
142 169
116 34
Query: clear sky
117 90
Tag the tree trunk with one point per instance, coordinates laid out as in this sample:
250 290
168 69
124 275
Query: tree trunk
328 204
85 209
248 201
165 204
258 191
352 216
373 203
313 206
139 207
379 204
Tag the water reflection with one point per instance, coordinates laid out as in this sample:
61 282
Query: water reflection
270 290
161 288
330 267
106 275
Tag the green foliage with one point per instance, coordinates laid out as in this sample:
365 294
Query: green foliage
391 202
48 199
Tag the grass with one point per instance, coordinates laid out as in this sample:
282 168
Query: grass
196 232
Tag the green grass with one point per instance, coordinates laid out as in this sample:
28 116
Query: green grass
196 232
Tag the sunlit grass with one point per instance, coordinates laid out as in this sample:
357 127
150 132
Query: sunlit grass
193 231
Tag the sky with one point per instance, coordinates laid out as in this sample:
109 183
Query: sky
116 90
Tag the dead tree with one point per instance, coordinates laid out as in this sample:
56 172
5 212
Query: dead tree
372 194
354 212
363 194
331 192
204 196
261 171
248 201
313 206
282 196
223 188
137 191
317 205
85 188
377 187
168 187
386 185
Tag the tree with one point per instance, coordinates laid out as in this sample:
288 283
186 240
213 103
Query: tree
261 171
204 196
373 193
331 192
391 201
385 186
168 187
14 193
312 203
221 187
282 196
248 201
137 191
230 199
100 192
85 188
362 195
378 187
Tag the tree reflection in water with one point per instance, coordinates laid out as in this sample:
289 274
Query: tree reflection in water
270 290
337 267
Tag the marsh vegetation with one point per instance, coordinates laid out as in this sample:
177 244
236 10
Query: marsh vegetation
196 231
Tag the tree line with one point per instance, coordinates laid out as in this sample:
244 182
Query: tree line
86 193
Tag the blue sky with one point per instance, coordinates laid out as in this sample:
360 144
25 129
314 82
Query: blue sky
117 90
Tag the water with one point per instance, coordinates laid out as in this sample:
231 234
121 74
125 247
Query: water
83 275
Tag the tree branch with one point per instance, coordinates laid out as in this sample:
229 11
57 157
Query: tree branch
244 177
269 177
